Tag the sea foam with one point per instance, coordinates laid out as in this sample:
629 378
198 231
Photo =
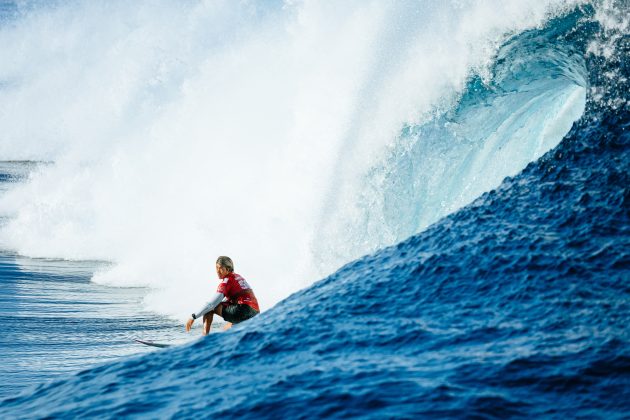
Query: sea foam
271 133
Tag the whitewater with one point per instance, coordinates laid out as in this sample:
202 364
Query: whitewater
178 132
455 172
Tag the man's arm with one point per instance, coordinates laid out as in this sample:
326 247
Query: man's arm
213 303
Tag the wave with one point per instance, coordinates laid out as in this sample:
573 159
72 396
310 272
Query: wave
528 101
294 135
514 305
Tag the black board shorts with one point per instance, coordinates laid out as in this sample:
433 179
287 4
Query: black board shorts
235 313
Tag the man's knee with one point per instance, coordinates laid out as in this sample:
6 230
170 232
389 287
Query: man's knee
207 316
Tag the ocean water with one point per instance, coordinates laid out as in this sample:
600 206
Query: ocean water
470 175
55 321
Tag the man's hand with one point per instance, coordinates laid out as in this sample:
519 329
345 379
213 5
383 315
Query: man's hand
189 324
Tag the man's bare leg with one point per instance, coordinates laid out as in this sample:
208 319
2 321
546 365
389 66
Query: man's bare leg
207 319
207 322
219 311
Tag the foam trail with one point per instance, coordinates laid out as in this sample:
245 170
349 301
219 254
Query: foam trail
180 132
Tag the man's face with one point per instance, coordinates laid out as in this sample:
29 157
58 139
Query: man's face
222 272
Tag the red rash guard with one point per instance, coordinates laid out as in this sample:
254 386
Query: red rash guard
237 291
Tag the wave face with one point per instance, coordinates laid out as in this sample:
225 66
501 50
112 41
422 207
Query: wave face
515 305
535 90
300 131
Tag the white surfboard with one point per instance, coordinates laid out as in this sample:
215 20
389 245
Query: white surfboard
151 343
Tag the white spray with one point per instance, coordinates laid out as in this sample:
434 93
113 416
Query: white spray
181 131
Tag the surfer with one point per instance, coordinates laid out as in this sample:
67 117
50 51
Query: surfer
234 300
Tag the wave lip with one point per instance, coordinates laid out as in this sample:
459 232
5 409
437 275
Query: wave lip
536 90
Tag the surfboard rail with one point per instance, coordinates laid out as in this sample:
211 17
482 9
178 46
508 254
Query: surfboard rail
151 343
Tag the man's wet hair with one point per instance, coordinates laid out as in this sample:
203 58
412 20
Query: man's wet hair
226 262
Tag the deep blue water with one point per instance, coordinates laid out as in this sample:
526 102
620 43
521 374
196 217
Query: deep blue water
515 306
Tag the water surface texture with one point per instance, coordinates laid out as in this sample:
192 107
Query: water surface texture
497 279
